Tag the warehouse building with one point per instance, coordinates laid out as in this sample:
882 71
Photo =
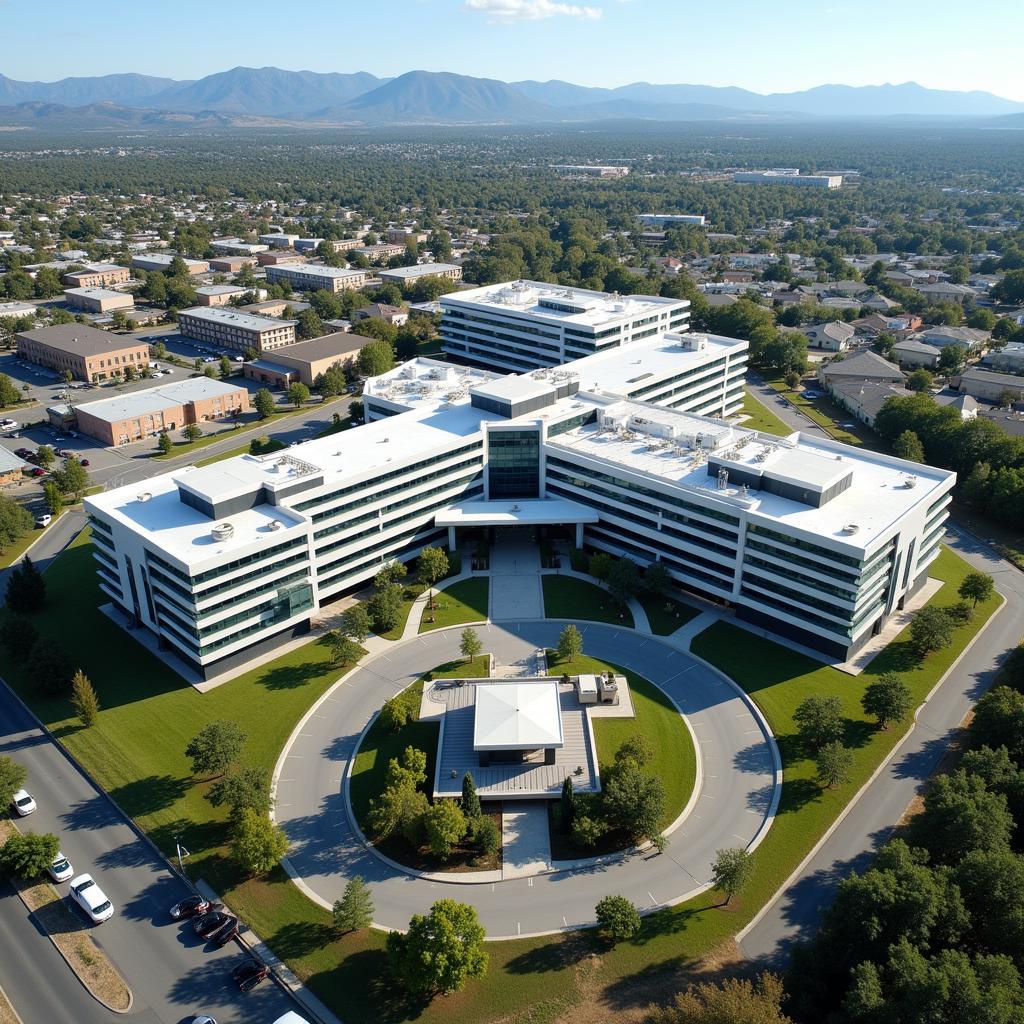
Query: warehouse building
161 262
232 329
97 300
306 360
406 275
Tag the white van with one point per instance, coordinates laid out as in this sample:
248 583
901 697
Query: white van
291 1017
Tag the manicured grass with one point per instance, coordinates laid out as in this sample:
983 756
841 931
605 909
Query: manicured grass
465 601
411 589
13 552
657 718
827 415
243 449
760 417
665 614
379 746
566 597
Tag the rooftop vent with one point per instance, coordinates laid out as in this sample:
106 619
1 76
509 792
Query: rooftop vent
851 528
144 496
275 524
223 531
910 481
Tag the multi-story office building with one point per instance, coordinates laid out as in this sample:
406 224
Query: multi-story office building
406 275
591 170
526 325
815 540
788 176
224 327
279 240
161 262
380 252
667 220
307 278
88 354
97 300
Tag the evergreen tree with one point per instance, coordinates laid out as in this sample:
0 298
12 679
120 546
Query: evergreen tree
470 798
26 588
84 699
567 804
355 908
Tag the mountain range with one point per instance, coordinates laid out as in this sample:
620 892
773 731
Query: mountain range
427 97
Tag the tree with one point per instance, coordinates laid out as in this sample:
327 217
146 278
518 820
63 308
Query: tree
931 629
298 394
53 498
617 918
226 368
470 801
164 443
444 825
344 650
992 883
999 722
976 586
441 950
50 667
263 403
12 778
833 764
567 804
385 608
84 699
9 394
242 789
793 380
401 806
908 446
470 644
952 359
431 566
331 383
375 358
920 380
390 573
258 843
636 748
394 714
72 478
45 456
354 910
731 870
656 578
15 521
634 801
600 565
18 636
960 814
26 588
215 747
486 836
819 720
28 855
355 623
570 643
624 580
309 325
734 1001
889 699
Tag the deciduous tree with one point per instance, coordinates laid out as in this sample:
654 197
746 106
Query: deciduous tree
731 870
215 747
617 918
28 855
258 843
888 699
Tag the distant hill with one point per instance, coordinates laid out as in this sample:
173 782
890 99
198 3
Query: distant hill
97 116
426 96
444 98
265 91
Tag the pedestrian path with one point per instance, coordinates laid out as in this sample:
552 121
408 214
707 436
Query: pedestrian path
516 591
683 636
525 840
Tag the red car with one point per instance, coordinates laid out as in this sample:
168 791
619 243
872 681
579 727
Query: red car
191 906
248 974
38 471
85 462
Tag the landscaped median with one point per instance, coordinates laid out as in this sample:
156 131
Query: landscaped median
566 597
464 601
136 752
71 937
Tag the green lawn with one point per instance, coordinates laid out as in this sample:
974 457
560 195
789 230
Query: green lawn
411 589
135 751
566 597
13 552
465 601
665 614
242 449
657 718
828 415
760 417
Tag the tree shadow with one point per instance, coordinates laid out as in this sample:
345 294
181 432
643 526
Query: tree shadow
153 793
554 956
288 677
857 733
760 800
299 938
206 835
372 989
211 977
755 759
797 793
898 656
94 812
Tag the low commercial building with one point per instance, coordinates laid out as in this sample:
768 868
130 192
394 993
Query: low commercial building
831 337
97 275
12 469
402 236
232 329
308 359
88 354
270 374
406 275
307 278
591 170
279 240
98 300
788 176
991 386
380 252
525 325
864 399
231 264
135 415
394 315
17 309
913 354
862 366
279 257
161 261
969 338
222 294
668 220
236 247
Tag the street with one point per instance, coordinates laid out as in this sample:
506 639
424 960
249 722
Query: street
870 822
171 973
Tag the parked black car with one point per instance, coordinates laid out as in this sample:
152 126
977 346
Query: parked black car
248 974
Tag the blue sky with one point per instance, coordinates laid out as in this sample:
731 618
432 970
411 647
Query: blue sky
760 45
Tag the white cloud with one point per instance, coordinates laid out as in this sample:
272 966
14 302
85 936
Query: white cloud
531 10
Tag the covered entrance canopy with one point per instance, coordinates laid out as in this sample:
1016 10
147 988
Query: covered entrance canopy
520 512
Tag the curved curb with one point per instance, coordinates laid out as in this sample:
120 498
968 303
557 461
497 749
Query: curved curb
855 799
4 997
71 966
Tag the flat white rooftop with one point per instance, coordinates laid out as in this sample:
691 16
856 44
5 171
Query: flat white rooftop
136 403
306 268
426 382
517 716
559 304
524 512
98 293
420 270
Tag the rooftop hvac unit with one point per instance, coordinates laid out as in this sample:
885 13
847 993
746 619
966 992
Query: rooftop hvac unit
223 531
851 528
144 496
276 524
608 689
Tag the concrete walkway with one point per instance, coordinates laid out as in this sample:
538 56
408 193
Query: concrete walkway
515 578
525 841
683 637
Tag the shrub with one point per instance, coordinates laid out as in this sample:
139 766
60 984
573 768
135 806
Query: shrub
617 918
586 832
486 836
395 714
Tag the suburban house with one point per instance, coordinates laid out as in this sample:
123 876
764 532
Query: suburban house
913 353
969 338
862 366
864 398
832 337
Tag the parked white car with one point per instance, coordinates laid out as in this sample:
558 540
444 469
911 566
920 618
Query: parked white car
23 803
44 520
91 898
8 424
60 870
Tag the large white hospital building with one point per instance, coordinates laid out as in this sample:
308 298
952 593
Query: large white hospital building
812 539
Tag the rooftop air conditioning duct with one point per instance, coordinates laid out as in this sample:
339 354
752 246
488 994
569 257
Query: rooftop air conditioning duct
144 496
275 524
223 531
851 528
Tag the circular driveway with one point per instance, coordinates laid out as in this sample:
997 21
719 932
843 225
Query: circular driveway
734 807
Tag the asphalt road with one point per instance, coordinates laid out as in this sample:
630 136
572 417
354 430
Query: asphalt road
786 412
796 913
171 973
734 801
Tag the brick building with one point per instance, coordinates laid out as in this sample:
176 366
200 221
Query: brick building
89 354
